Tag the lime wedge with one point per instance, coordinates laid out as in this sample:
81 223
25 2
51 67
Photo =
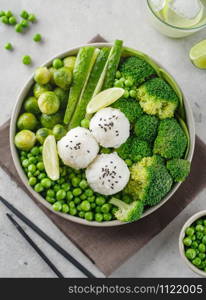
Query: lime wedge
50 157
198 54
104 99
172 17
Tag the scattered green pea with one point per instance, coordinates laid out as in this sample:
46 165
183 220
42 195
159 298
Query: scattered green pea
24 23
26 59
32 18
37 37
5 20
2 13
12 20
24 14
18 28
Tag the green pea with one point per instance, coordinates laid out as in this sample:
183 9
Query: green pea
41 176
36 173
197 261
71 176
105 208
8 13
98 209
126 94
204 222
2 13
57 63
25 163
26 59
81 214
85 205
56 187
98 217
89 216
83 184
8 46
199 222
187 242
100 200
193 237
118 83
50 199
61 180
50 193
204 240
194 245
24 14
71 204
65 187
38 188
77 200
40 166
107 216
91 199
65 208
18 28
118 74
133 93
46 183
89 192
190 253
199 228
202 248
190 231
73 211
32 18
24 23
32 168
75 181
12 20
57 206
61 194
37 37
202 256
35 151
69 196
83 197
5 19
128 82
199 235
77 192
79 207
32 160
85 123
32 181
30 174
93 205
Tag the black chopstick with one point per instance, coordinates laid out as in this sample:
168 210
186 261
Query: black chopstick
34 245
49 240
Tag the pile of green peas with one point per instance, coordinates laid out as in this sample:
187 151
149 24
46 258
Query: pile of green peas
195 243
126 84
70 194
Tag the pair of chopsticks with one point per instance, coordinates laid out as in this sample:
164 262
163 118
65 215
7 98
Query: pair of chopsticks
43 235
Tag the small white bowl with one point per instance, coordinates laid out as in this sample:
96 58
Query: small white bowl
189 222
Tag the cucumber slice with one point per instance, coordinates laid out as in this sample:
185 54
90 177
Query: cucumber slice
112 64
90 87
82 69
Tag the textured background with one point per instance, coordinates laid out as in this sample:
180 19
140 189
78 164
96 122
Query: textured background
65 24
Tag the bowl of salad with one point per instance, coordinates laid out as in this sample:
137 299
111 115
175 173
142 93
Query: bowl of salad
102 135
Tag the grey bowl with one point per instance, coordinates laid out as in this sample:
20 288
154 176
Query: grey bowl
16 111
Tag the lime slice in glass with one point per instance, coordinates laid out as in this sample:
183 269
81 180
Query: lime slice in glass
50 157
104 99
198 54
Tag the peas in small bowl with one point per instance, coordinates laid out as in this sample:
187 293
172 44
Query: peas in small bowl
192 243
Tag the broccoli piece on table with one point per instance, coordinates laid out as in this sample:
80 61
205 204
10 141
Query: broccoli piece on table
130 107
156 97
146 128
149 180
134 149
136 69
128 212
179 169
171 141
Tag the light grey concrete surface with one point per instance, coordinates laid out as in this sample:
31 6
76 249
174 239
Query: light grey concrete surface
64 24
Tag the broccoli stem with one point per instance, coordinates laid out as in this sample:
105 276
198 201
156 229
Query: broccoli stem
120 204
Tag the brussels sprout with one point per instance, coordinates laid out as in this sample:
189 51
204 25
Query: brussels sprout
42 75
69 62
63 77
27 121
51 70
63 96
31 105
59 131
39 89
48 103
49 121
25 140
42 133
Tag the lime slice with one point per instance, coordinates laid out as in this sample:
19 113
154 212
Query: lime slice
172 17
198 54
50 157
104 99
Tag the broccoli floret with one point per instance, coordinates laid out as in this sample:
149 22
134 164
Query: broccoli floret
146 128
136 69
134 149
156 97
128 212
130 107
149 180
179 169
171 141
